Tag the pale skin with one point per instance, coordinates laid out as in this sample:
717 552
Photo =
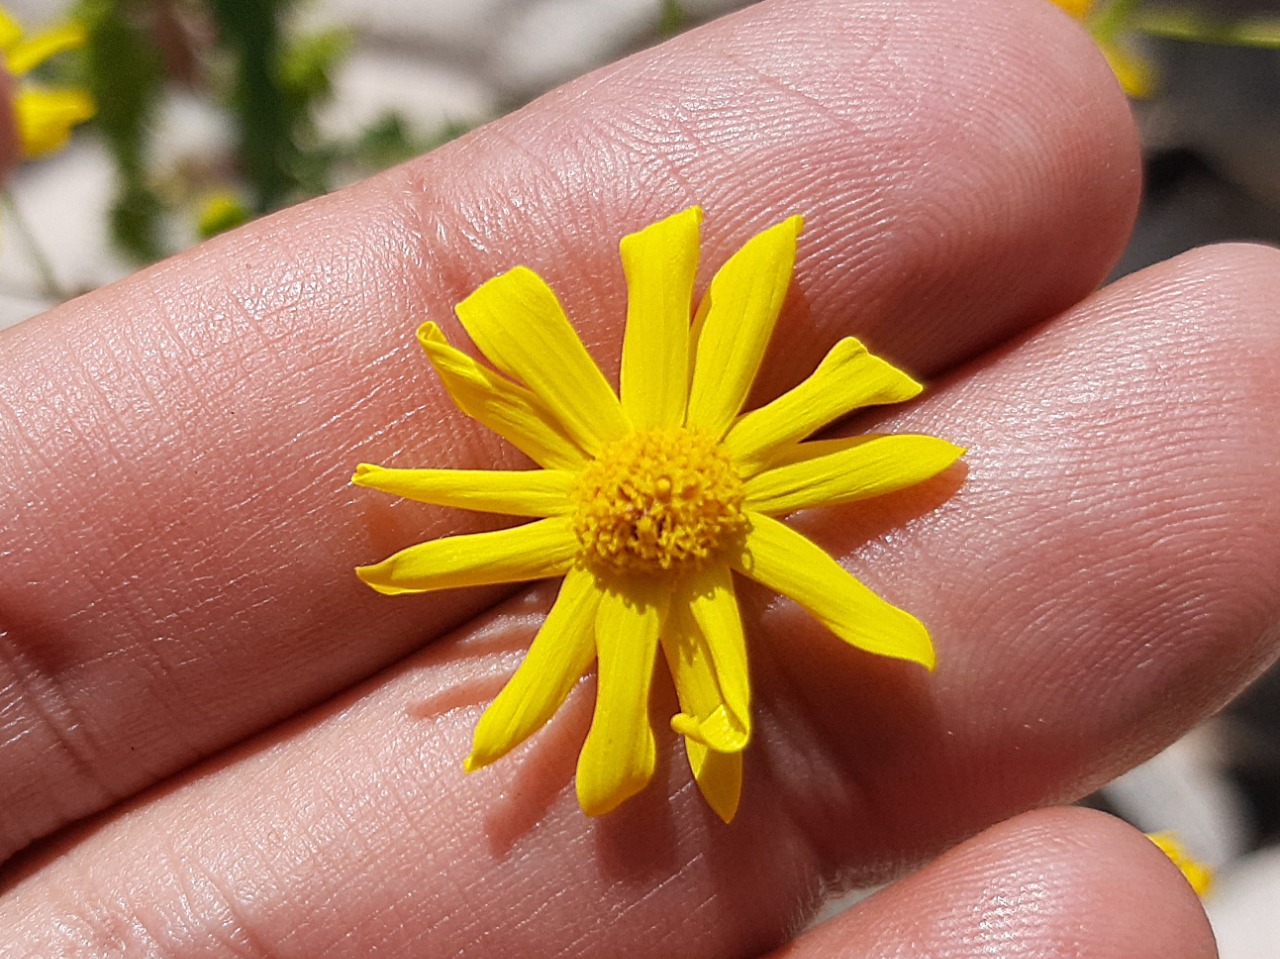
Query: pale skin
215 741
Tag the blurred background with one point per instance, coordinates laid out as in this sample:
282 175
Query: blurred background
211 112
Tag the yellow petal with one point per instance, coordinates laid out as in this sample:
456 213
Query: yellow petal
787 563
867 466
714 608
849 377
1136 76
718 729
519 325
738 317
25 55
508 409
719 777
617 759
660 263
45 118
10 31
537 550
704 715
1080 9
514 492
557 658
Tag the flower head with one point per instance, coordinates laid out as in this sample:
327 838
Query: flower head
649 501
44 115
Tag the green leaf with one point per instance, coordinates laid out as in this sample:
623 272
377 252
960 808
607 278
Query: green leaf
124 74
672 18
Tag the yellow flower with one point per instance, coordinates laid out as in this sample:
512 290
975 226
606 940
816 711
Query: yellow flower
44 115
1105 22
221 211
1197 873
649 501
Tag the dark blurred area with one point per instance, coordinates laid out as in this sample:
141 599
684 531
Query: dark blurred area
1213 175
1213 145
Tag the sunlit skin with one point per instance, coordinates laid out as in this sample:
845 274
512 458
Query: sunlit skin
253 754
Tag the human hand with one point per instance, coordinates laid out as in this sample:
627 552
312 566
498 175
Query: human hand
256 757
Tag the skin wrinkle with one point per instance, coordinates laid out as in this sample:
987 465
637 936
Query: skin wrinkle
50 720
234 937
109 928
654 140
700 81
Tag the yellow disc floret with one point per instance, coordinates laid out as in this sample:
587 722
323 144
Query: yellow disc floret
656 500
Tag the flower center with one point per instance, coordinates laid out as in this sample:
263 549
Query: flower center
655 500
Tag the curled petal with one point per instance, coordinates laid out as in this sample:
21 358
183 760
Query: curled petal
719 729
704 715
714 608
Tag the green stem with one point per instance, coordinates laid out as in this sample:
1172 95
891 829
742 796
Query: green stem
1113 19
52 287
1188 25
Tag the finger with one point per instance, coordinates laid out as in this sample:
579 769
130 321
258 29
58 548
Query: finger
1105 577
177 448
1047 885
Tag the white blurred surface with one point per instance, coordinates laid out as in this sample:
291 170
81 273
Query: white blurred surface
1186 790
1244 907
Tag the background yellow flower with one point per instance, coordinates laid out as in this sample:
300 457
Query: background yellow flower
44 115
1198 874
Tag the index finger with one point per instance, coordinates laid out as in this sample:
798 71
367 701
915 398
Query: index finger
176 448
